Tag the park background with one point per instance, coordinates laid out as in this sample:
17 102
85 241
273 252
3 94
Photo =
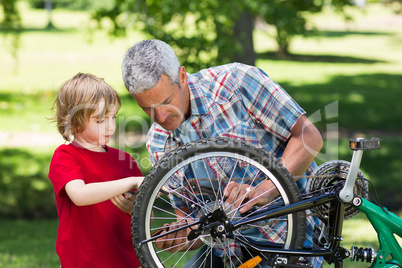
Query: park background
347 77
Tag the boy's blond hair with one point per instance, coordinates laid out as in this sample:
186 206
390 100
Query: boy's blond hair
78 99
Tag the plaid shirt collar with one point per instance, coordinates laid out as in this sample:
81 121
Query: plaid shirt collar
198 100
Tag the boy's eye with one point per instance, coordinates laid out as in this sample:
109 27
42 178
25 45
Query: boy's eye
100 121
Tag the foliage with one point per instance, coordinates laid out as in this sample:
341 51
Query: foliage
396 5
11 23
198 30
25 190
71 4
11 16
207 33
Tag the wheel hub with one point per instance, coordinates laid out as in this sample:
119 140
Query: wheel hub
214 226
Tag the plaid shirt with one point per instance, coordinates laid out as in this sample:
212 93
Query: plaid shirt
236 101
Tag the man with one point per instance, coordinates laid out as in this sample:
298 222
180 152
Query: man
233 100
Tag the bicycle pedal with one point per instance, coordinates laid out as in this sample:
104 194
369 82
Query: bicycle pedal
251 263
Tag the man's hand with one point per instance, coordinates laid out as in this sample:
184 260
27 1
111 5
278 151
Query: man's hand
177 241
246 196
124 202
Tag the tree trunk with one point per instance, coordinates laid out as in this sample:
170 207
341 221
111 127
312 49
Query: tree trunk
283 39
49 8
243 35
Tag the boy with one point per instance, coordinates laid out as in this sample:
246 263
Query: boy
89 178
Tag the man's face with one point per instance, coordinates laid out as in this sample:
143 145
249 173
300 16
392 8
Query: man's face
167 104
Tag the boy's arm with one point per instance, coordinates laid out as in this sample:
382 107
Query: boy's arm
88 194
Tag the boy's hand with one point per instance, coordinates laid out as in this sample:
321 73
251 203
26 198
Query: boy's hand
124 201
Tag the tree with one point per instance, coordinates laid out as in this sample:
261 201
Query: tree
212 32
11 23
198 30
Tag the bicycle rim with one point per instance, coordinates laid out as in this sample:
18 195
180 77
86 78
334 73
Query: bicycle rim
197 196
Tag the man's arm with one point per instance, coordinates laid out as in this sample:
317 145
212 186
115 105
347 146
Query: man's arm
304 144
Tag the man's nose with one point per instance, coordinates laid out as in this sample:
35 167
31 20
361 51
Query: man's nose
160 114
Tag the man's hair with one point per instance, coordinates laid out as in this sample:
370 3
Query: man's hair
78 99
144 64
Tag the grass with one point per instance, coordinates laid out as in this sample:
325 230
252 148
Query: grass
31 244
28 244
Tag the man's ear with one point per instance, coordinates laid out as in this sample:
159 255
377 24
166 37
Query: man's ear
183 75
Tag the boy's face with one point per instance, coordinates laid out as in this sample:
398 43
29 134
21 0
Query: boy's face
98 130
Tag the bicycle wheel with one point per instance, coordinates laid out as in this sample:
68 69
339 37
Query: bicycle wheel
181 201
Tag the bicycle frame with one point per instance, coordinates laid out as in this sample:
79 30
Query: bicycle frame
385 223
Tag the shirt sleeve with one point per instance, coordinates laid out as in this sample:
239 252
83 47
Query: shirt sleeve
63 169
267 103
155 144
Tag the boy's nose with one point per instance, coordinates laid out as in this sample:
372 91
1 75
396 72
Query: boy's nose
111 125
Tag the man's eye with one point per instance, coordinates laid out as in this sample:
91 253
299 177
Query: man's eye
168 101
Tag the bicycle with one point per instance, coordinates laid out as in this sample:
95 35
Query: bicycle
174 199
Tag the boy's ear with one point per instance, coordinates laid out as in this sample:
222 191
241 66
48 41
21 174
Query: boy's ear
67 131
69 127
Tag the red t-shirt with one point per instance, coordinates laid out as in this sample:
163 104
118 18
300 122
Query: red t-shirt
98 235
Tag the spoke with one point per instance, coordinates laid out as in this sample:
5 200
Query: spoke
238 191
198 201
177 252
209 253
166 211
167 227
254 198
206 167
198 183
231 175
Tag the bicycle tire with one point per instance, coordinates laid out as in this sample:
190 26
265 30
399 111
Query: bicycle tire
249 160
